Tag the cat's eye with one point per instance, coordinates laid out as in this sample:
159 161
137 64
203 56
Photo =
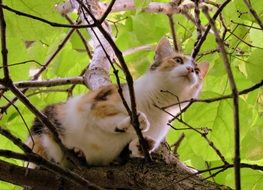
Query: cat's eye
197 70
178 60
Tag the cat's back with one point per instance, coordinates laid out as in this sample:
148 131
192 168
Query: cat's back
100 103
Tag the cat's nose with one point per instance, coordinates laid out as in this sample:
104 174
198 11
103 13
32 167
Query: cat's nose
190 69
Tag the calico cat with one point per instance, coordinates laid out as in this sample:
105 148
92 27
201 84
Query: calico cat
98 124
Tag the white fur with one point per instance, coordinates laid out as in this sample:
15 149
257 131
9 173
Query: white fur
97 137
148 93
84 132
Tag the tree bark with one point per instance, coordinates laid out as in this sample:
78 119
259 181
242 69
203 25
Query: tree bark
165 172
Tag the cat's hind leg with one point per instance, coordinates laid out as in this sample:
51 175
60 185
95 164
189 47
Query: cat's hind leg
136 149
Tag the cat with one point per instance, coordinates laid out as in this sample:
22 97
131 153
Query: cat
97 123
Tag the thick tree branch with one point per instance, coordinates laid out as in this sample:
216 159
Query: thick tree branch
37 179
65 173
135 175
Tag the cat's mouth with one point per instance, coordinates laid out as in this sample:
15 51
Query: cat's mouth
189 77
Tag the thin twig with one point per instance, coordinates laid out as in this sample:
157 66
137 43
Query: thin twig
3 44
235 100
172 27
17 141
9 84
245 25
42 68
43 119
46 91
216 173
20 114
203 134
176 144
48 83
21 63
242 165
210 100
202 39
197 21
243 41
253 12
208 165
54 24
85 43
210 143
106 13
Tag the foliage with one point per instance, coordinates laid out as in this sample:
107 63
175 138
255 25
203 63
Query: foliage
136 28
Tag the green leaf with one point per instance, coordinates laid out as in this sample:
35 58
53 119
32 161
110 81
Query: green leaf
254 63
142 25
252 144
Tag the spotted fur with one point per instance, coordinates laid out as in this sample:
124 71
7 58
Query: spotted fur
97 123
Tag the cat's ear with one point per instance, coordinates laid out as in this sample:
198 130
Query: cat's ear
163 50
204 66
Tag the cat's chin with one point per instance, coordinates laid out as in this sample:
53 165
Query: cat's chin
192 79
188 78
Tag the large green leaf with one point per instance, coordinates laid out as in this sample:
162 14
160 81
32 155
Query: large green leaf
254 63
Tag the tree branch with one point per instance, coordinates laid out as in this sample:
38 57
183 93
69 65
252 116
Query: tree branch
235 100
210 100
253 12
133 175
174 36
47 83
37 179
54 24
42 68
201 40
4 50
65 173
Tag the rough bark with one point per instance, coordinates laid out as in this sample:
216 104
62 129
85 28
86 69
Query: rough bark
165 172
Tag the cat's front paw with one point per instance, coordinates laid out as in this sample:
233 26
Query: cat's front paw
136 149
144 123
79 153
125 124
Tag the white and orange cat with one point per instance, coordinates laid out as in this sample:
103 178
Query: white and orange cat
97 123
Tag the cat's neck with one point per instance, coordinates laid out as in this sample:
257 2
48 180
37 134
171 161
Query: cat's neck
154 90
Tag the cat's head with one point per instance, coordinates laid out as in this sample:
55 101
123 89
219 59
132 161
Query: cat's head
178 72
